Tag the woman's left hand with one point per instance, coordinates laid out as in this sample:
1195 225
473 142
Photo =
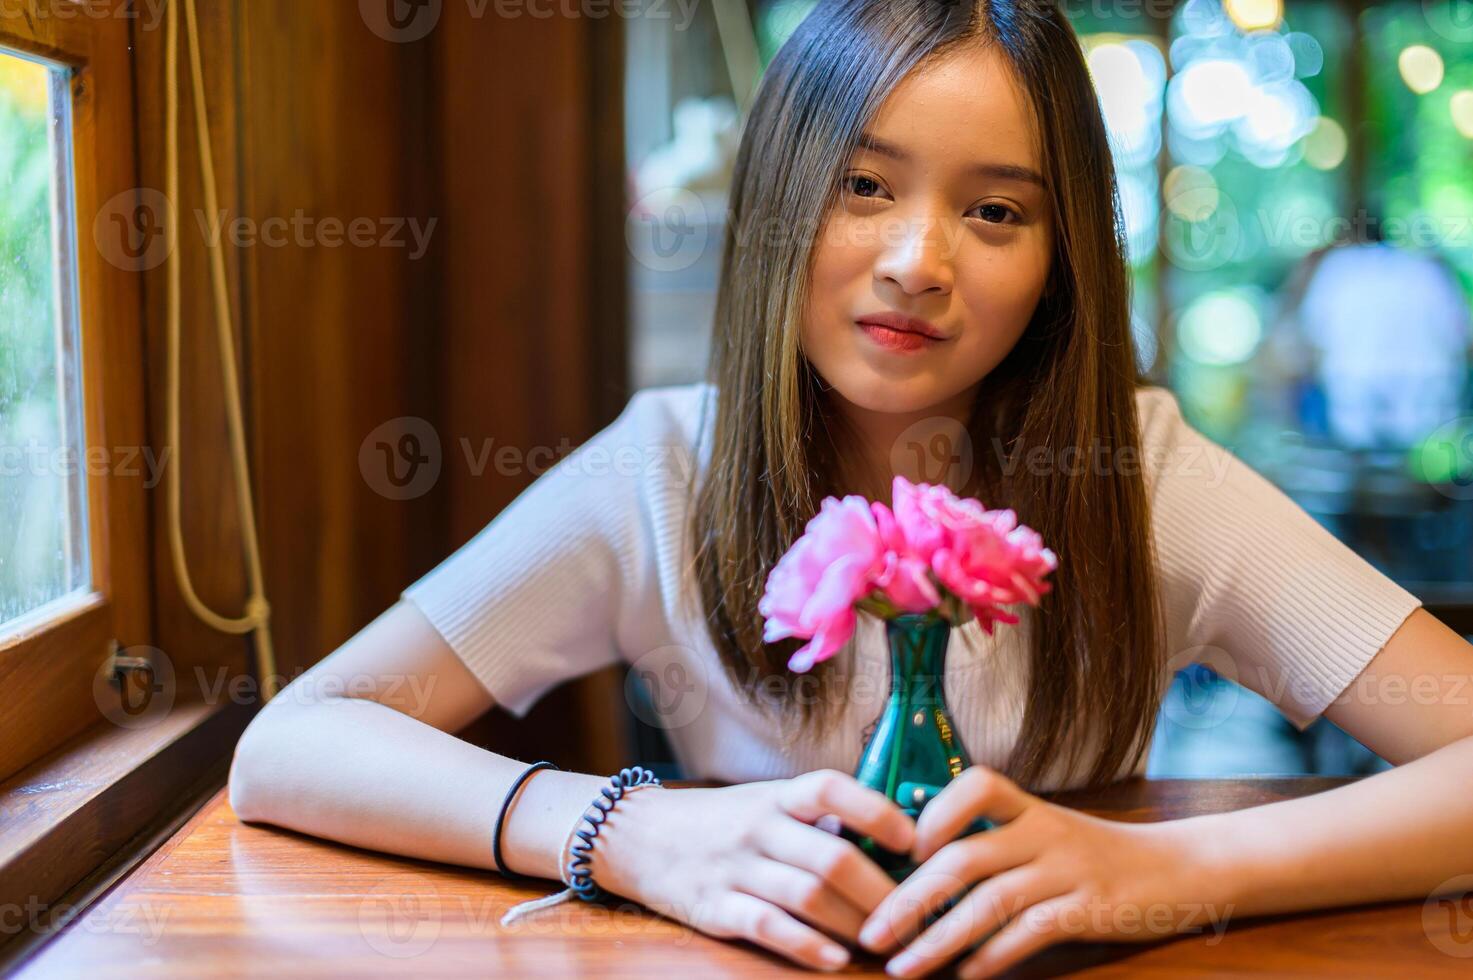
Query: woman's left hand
1045 875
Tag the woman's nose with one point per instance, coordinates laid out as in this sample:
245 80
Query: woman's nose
916 256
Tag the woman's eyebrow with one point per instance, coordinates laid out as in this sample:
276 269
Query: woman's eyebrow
998 171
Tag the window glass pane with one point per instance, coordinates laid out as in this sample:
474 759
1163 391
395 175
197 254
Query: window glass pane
43 550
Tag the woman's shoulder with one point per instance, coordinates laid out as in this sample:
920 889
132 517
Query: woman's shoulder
659 432
1175 452
1159 413
671 413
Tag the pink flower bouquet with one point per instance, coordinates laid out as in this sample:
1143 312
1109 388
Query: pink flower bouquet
933 553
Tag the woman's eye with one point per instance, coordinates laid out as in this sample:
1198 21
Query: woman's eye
996 214
862 186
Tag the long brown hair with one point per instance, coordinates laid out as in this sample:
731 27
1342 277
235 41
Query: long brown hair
1095 658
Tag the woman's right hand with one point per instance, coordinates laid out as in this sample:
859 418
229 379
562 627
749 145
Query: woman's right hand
748 862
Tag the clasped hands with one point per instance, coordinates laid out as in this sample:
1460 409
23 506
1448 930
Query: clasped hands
1046 874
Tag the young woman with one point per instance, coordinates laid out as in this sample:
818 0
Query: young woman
922 241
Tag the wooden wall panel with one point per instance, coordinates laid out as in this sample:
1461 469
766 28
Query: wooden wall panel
506 133
532 176
334 128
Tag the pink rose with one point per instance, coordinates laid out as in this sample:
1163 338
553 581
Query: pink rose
812 589
984 557
906 578
855 551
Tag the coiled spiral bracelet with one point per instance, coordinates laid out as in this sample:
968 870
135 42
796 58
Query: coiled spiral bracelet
579 870
578 873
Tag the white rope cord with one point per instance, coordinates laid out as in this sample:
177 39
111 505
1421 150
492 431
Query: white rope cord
256 618
556 898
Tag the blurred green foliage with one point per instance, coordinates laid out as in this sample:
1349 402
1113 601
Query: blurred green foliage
35 565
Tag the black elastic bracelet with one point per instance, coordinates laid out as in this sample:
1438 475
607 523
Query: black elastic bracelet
500 817
579 873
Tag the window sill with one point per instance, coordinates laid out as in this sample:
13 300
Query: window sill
75 820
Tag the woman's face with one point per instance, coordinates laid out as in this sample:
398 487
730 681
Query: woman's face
942 216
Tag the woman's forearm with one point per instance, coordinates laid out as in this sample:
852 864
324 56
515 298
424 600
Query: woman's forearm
1395 835
361 772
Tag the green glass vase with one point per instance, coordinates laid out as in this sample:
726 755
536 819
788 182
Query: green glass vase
913 748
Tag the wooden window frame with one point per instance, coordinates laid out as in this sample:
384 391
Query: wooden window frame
80 790
54 660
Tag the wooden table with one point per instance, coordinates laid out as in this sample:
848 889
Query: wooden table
221 898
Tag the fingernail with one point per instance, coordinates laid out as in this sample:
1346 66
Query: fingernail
834 956
872 937
902 965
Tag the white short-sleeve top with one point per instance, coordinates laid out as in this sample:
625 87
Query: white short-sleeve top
584 570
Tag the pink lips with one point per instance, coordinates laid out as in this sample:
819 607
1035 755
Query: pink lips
896 332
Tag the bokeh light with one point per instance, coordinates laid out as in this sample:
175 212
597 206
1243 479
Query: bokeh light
1461 107
1421 68
1326 145
1191 193
1219 328
1255 15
